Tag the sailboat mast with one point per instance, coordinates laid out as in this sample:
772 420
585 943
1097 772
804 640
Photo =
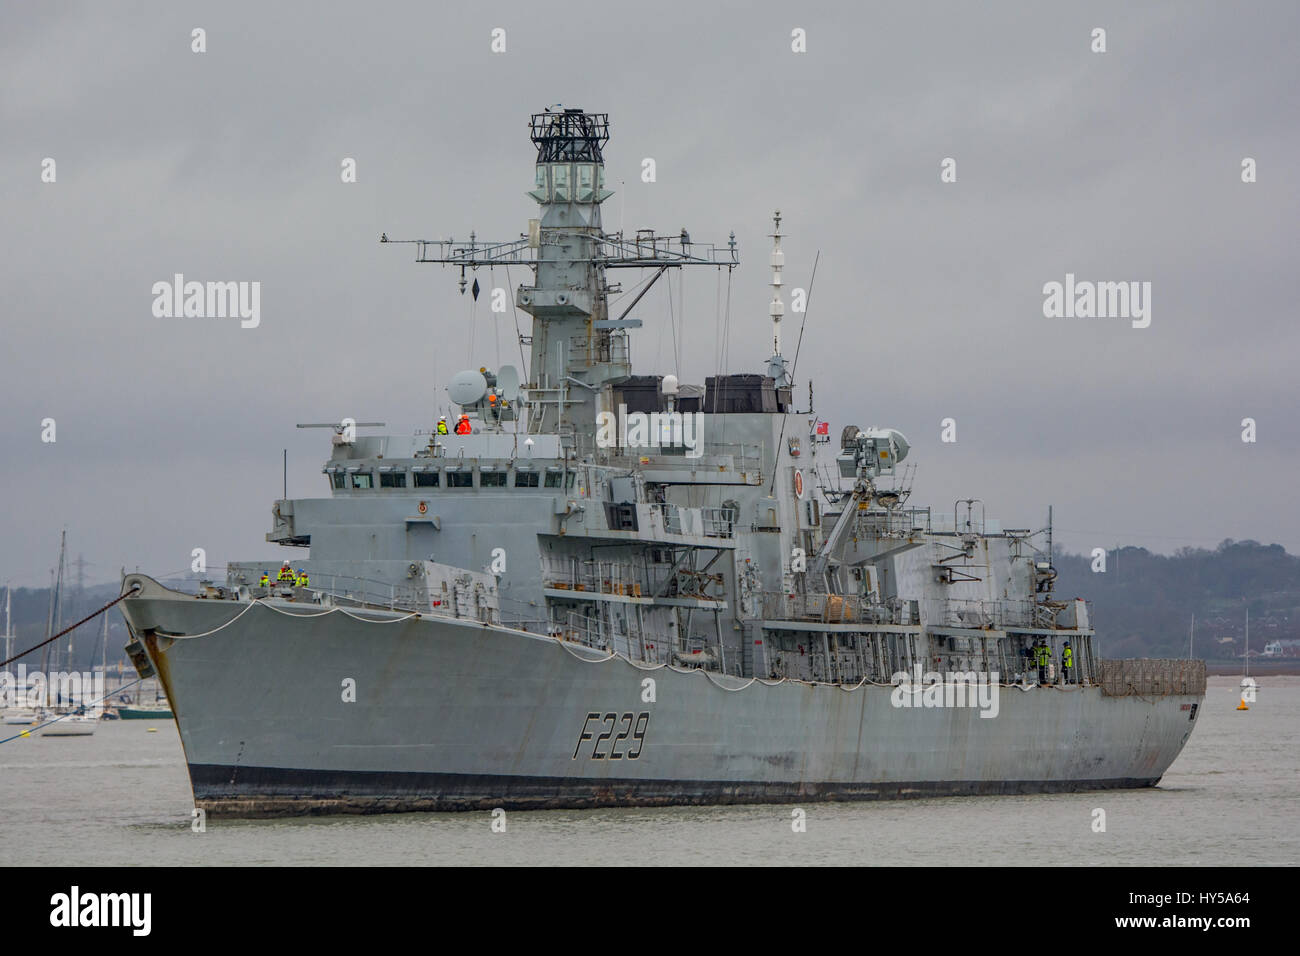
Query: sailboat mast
56 613
103 650
63 567
9 622
49 629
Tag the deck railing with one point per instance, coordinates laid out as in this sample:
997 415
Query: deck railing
1151 677
825 609
984 614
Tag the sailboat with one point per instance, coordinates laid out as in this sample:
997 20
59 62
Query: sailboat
71 725
160 709
1247 682
64 721
17 715
106 712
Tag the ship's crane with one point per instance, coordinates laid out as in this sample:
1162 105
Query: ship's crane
864 456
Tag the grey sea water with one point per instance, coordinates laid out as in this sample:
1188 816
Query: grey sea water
122 797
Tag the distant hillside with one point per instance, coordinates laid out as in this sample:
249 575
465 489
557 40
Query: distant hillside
1143 603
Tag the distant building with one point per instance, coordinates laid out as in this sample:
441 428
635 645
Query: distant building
1283 648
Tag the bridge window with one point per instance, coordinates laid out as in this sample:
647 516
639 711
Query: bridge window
492 479
363 479
554 478
526 479
427 479
460 479
339 480
392 479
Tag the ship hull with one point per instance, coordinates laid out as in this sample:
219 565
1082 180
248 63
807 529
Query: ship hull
280 713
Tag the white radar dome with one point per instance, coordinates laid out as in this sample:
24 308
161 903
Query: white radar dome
467 387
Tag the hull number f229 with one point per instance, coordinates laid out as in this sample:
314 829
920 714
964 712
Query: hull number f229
605 743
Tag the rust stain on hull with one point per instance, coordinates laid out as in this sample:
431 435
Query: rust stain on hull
288 806
157 655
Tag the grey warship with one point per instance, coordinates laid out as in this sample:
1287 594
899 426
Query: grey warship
599 588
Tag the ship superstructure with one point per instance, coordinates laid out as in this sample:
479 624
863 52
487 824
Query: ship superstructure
600 587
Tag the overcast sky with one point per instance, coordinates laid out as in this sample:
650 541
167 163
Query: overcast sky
928 302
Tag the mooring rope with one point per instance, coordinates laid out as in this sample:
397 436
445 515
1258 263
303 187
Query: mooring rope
215 629
261 602
89 617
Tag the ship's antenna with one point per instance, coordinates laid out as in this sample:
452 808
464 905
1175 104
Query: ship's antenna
799 344
523 362
776 365
777 308
1049 536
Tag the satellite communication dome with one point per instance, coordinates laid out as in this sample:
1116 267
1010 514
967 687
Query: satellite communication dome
508 383
467 387
670 385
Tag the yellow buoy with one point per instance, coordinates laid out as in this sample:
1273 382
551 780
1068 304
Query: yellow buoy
153 730
1242 705
25 733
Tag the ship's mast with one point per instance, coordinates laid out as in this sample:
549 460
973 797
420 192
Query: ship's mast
776 364
577 349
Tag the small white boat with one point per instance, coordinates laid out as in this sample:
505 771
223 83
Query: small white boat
74 725
19 717
1248 684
